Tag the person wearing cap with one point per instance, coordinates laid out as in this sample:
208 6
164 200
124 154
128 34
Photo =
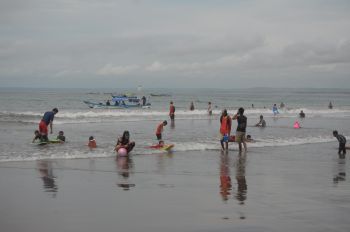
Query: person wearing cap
45 121
160 129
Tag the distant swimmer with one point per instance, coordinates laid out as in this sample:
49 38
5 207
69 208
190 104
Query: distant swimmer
241 128
92 142
61 136
192 106
210 111
45 121
124 142
108 103
282 105
330 105
342 142
262 122
302 114
225 129
160 129
296 125
275 110
172 111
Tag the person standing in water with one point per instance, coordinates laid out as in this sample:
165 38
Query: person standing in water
330 106
172 111
192 106
210 111
45 121
225 129
241 128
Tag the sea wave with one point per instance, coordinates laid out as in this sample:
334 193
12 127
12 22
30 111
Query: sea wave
89 116
80 153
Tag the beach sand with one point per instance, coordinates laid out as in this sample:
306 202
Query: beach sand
290 188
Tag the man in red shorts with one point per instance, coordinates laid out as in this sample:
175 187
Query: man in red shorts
45 121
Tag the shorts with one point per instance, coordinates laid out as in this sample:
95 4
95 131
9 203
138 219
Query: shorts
172 116
43 128
240 136
159 136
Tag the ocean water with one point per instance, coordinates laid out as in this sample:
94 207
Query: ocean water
22 109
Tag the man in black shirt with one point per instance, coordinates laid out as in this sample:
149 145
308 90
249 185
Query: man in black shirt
241 128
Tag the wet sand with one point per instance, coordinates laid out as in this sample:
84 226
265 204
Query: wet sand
292 188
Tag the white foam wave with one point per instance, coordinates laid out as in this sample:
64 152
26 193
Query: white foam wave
179 147
105 113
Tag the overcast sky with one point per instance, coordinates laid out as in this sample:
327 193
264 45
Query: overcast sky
175 43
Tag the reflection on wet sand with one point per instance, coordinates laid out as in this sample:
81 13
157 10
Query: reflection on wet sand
225 179
341 166
46 174
172 124
241 195
124 164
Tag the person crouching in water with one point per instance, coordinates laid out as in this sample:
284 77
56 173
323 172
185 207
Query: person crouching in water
342 142
38 136
241 129
225 129
124 142
92 142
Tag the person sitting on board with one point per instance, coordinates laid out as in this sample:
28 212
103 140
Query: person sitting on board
37 135
45 121
124 142
342 142
262 122
160 128
61 136
302 114
92 142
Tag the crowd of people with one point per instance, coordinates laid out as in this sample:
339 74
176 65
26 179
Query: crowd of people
126 144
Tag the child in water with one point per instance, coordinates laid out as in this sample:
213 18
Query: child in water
92 142
37 135
61 136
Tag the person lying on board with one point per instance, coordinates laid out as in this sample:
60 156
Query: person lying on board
159 145
61 136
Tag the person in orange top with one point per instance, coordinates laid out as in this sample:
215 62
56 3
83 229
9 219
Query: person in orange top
92 142
172 111
225 128
160 129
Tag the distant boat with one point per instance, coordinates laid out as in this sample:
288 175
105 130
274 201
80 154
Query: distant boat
160 95
119 102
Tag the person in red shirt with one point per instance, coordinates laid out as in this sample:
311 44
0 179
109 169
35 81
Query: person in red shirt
225 129
172 111
160 129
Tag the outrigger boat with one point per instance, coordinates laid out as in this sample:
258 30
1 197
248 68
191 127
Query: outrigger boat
119 102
